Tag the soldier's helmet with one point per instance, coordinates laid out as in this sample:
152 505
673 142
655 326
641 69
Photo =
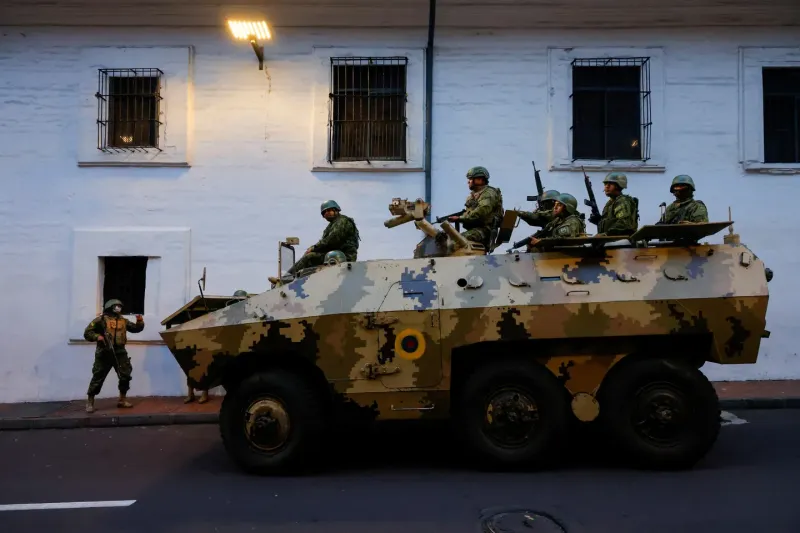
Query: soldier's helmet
111 303
551 195
240 294
478 172
569 202
617 177
334 257
330 204
682 179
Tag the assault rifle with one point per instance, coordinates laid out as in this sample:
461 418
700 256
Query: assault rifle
539 187
456 214
109 344
591 202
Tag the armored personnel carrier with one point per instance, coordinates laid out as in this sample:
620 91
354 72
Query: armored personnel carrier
516 348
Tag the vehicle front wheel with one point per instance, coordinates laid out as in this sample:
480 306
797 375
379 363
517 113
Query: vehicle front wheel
660 413
271 422
514 414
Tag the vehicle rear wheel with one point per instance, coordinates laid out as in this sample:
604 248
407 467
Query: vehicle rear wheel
660 413
271 422
514 414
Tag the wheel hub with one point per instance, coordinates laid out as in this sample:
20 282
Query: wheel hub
267 424
660 413
511 416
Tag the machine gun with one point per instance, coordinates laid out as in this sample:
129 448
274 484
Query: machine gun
436 243
591 202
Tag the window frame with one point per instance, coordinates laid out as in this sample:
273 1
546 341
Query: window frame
752 60
105 114
175 108
415 110
167 284
560 114
128 307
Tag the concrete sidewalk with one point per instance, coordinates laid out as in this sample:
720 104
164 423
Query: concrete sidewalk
161 410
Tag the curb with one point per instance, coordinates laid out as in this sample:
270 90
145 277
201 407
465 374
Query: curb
106 421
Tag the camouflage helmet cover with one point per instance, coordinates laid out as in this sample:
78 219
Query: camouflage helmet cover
551 195
334 257
111 303
617 177
478 172
330 204
682 179
569 202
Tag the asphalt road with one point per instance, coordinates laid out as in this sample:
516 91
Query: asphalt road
182 481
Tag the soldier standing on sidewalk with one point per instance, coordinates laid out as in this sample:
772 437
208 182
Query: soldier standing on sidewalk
109 330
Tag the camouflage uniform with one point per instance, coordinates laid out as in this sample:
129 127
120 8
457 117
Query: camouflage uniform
484 210
117 327
621 213
543 213
341 234
569 224
684 209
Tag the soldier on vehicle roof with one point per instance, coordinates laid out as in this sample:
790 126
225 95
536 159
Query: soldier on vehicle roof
685 209
544 211
484 208
620 215
340 235
109 330
566 221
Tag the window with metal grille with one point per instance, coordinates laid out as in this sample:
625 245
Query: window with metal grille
781 88
128 105
125 279
611 109
367 119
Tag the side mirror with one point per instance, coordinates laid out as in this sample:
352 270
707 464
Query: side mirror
286 255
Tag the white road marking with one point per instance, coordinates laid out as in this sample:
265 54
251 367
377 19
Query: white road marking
65 505
729 419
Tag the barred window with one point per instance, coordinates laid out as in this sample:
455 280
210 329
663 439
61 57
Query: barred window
124 278
781 89
128 105
611 109
367 119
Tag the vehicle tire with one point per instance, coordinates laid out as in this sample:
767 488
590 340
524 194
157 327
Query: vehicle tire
660 413
514 414
271 422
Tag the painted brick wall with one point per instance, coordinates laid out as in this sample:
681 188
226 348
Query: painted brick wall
250 183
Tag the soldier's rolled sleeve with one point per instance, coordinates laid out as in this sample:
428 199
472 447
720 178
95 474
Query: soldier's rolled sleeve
135 327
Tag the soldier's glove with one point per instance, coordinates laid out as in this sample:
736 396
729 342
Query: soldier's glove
594 219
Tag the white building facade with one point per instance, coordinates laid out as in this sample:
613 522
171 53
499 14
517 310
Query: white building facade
236 158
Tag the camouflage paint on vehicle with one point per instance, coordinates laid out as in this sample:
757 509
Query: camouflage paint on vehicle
388 335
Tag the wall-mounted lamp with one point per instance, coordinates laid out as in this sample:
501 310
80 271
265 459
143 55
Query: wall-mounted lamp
251 31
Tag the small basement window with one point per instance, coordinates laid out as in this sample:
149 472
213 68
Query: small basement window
124 278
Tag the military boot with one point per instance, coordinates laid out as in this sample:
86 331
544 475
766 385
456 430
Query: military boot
90 404
189 395
203 397
123 402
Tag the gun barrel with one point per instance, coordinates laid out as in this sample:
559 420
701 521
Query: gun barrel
398 220
533 198
426 227
457 238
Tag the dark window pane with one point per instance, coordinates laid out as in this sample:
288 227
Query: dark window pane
781 87
125 279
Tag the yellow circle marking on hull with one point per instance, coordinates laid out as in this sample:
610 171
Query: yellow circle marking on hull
409 344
